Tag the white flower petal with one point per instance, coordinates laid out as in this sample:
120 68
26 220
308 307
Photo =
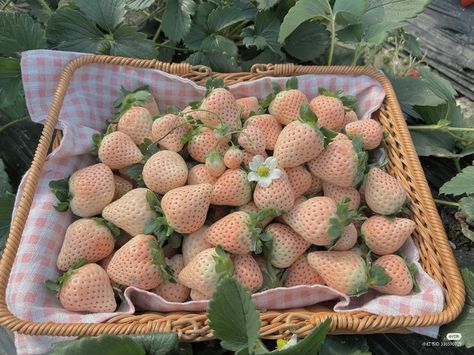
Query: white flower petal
256 161
252 176
265 181
275 174
271 162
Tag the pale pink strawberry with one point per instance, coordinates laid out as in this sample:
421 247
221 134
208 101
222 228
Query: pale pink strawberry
300 179
92 188
278 195
200 174
218 107
386 235
269 126
88 239
232 189
287 245
87 289
252 140
195 295
345 271
173 291
247 272
286 105
136 123
370 130
341 163
215 163
131 212
247 105
169 130
252 208
235 233
204 142
316 186
298 143
349 116
233 157
249 156
200 273
194 243
311 219
347 240
122 186
301 273
338 193
139 263
186 207
401 280
287 217
383 193
117 150
164 171
329 110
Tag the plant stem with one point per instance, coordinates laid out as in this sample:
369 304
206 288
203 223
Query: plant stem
171 47
9 124
457 164
435 127
446 203
150 15
332 23
45 6
4 6
157 33
357 54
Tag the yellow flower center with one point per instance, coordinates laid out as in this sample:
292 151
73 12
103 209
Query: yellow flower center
263 171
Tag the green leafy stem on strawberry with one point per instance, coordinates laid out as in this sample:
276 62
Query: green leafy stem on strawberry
60 189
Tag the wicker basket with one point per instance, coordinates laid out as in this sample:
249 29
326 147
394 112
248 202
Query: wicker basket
435 252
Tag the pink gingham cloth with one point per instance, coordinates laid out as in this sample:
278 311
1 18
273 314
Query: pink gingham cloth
87 105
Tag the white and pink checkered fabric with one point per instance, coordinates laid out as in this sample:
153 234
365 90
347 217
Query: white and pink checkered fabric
86 107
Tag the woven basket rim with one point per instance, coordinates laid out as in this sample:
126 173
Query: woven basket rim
193 326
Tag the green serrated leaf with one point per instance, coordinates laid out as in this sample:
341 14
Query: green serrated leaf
108 14
348 11
264 34
103 345
223 17
266 4
414 91
301 43
461 184
129 42
439 86
466 206
137 5
19 33
10 81
176 20
232 301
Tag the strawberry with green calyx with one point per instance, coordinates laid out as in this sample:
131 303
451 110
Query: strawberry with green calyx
205 270
141 96
247 272
252 140
347 240
87 239
238 232
330 108
383 193
300 141
248 106
287 245
136 123
170 130
86 192
233 157
285 105
341 219
215 163
140 263
338 193
345 271
401 277
370 130
342 163
252 208
219 106
203 142
84 288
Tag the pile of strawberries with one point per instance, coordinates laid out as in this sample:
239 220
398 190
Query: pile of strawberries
276 193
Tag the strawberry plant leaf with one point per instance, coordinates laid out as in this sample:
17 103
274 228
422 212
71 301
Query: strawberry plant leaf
439 86
461 184
137 5
311 343
414 91
103 345
266 4
348 11
129 99
264 34
107 14
128 42
156 343
300 44
232 301
10 81
176 20
466 207
19 33
225 16
362 158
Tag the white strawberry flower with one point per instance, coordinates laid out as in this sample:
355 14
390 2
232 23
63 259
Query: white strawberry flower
263 171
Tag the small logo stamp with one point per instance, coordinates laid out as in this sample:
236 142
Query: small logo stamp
453 336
